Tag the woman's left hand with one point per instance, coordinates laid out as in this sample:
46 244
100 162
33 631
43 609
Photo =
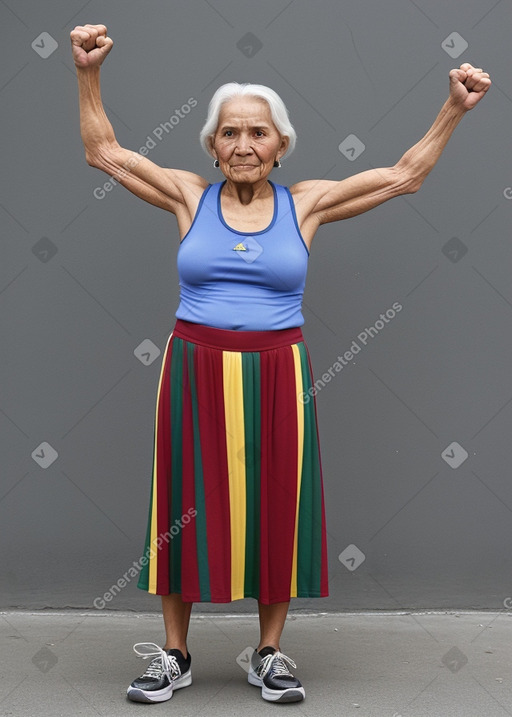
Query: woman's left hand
468 85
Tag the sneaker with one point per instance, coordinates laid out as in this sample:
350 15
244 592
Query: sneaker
167 671
268 670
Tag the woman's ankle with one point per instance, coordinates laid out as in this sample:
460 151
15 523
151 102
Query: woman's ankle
267 644
174 646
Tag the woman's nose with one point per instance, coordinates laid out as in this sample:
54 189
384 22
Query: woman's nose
243 145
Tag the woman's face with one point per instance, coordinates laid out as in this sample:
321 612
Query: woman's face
247 142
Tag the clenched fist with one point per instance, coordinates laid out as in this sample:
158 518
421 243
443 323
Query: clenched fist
468 85
90 45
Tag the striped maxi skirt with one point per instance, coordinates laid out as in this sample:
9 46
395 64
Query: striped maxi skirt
237 501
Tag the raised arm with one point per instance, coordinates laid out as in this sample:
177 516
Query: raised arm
322 201
162 187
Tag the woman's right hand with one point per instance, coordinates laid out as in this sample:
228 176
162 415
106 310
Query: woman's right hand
90 45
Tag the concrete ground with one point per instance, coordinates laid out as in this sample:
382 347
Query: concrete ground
424 664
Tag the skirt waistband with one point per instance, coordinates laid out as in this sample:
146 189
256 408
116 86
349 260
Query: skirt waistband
229 340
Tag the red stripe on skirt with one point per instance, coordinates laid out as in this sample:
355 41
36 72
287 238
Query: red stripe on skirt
210 400
279 448
189 564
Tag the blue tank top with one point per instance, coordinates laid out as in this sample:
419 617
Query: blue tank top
251 281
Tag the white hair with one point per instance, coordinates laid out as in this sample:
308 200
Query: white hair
231 90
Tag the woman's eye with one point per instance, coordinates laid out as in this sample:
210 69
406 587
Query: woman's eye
228 132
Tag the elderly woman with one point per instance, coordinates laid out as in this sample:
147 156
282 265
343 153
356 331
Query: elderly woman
236 505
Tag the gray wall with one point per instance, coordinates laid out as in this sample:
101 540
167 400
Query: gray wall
84 281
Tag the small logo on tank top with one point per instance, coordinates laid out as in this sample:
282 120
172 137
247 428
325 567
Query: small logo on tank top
249 249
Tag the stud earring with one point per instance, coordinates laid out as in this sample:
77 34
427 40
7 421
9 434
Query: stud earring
216 163
277 163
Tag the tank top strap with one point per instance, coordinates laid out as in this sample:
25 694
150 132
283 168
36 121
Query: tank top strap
211 197
283 206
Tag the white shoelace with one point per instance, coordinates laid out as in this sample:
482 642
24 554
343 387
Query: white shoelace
162 662
277 660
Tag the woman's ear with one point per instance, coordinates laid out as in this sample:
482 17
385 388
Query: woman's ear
212 148
283 148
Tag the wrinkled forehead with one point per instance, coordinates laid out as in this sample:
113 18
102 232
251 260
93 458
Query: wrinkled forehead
245 111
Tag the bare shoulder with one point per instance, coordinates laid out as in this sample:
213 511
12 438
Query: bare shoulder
305 197
308 194
191 187
305 186
187 181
